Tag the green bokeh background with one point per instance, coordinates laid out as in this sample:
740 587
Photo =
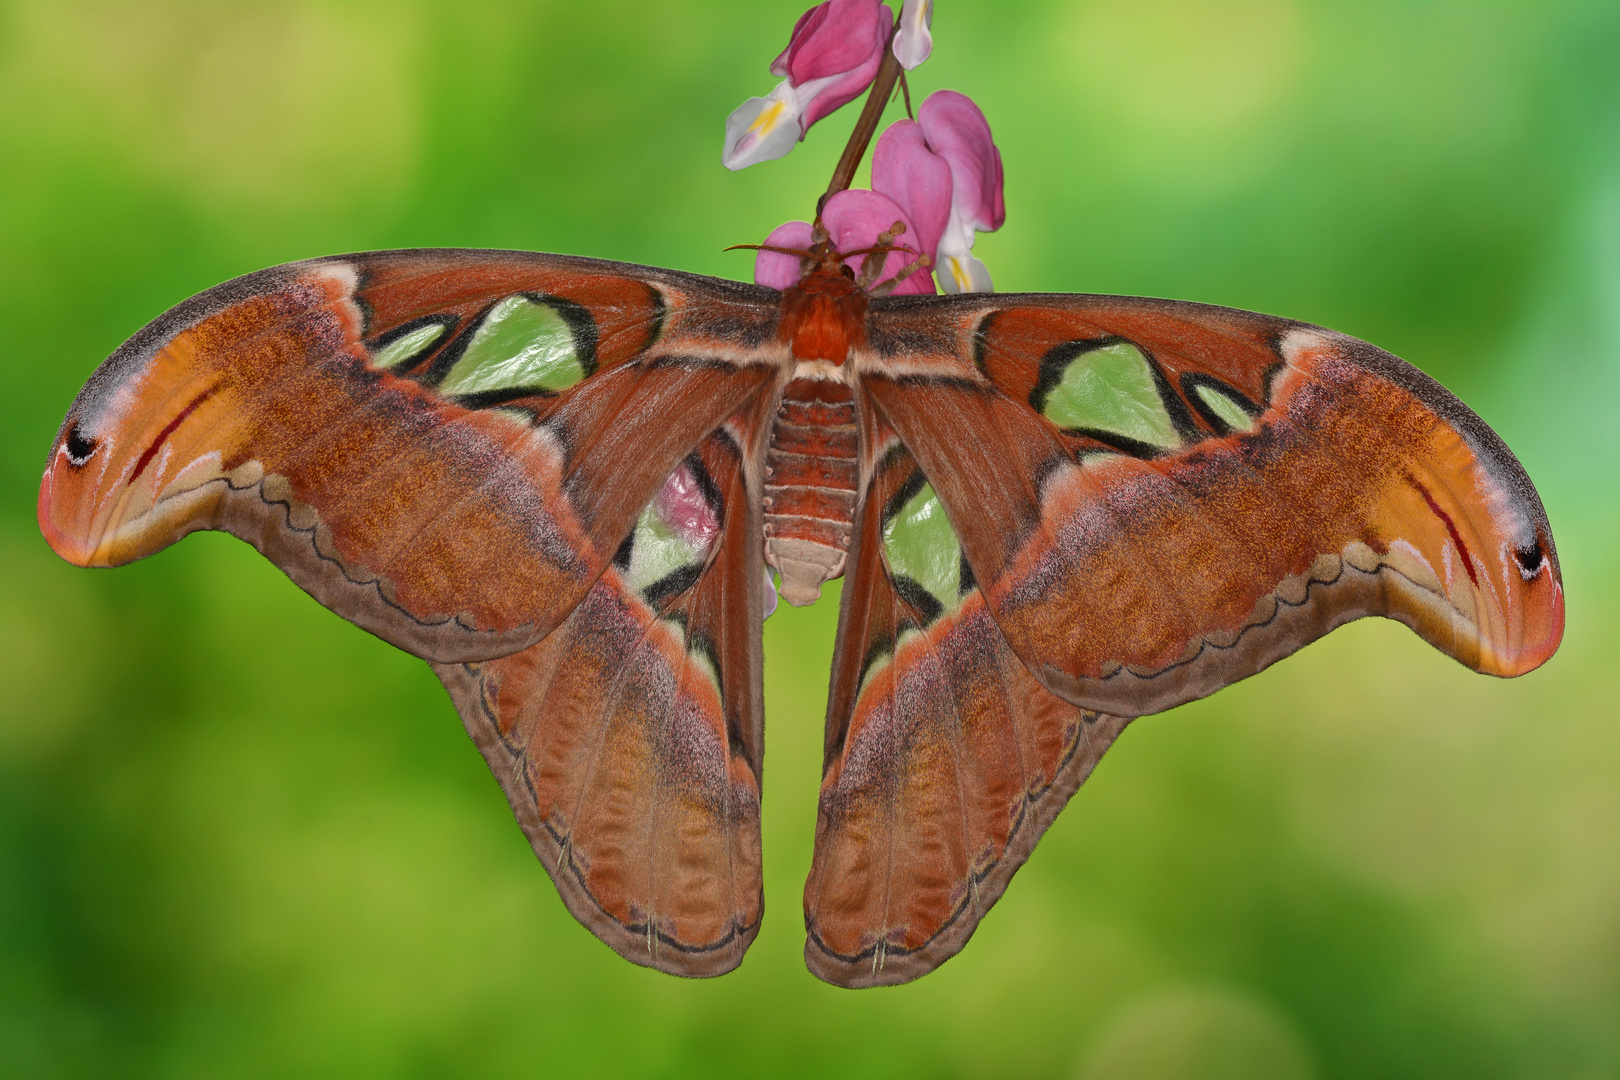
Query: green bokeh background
239 837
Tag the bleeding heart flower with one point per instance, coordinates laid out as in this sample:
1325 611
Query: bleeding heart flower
686 510
832 57
912 41
918 180
683 509
854 219
773 268
945 171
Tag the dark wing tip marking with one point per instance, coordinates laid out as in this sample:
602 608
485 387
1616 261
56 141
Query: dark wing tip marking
169 429
1494 455
1451 528
79 448
1530 559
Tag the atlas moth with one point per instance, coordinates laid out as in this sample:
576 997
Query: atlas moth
566 483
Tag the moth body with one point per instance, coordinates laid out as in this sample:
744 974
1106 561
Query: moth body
810 486
811 472
823 317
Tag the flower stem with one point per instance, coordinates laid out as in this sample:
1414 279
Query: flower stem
861 137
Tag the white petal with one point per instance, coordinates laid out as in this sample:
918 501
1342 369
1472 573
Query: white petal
762 129
912 42
962 273
770 594
957 239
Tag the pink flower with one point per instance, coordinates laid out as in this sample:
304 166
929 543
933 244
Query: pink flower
833 55
682 506
781 271
916 178
945 171
683 509
912 41
854 220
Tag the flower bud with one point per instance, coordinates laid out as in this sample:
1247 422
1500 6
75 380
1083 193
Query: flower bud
832 57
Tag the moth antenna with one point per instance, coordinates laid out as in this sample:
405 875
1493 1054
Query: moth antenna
800 252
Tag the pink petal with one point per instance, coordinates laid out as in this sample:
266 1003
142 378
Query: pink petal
680 502
778 271
855 217
957 131
835 54
838 36
839 91
779 66
916 178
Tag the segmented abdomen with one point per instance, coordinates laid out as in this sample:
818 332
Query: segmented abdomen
810 478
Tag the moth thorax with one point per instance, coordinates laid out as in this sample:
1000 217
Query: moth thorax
823 317
810 487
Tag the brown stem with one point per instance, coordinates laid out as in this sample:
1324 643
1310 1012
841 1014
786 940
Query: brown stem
861 137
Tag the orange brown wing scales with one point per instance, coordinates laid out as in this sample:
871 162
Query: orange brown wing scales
1159 498
430 443
629 742
945 760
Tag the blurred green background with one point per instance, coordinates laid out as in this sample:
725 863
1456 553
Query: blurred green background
239 837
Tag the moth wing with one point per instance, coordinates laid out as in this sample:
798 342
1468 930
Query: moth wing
945 759
445 447
629 741
1159 498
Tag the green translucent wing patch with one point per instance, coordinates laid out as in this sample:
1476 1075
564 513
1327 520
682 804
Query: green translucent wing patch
659 558
1105 389
669 547
1225 408
405 343
524 344
923 555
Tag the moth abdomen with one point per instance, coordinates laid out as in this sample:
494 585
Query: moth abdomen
810 486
